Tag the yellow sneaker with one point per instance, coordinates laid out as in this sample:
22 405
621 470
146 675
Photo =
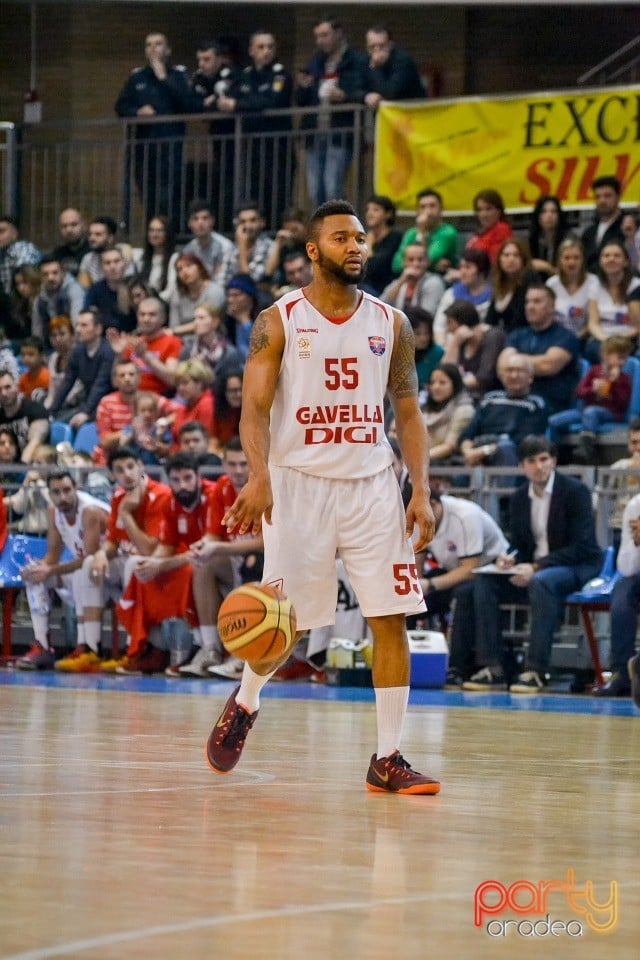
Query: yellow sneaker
110 666
82 660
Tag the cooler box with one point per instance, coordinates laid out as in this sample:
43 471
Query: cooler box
429 658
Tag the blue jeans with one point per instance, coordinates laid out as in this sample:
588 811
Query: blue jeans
590 419
327 167
545 593
625 601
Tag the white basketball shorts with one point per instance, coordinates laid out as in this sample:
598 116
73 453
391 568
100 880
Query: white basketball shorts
363 521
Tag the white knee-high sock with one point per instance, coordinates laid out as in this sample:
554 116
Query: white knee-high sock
92 634
41 629
250 686
391 709
210 637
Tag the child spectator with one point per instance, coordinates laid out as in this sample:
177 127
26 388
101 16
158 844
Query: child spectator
149 434
34 382
605 392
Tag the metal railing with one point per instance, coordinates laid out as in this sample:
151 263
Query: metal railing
113 167
622 66
8 167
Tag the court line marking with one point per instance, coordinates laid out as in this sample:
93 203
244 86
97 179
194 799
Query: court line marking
249 780
60 950
203 923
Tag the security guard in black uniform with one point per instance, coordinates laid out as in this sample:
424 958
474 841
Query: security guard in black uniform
270 166
213 175
213 78
157 90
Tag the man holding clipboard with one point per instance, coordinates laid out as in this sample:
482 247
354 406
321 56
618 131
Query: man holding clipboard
555 552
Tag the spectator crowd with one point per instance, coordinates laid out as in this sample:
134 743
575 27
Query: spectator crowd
135 356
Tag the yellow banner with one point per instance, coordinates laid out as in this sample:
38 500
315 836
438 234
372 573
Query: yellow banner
522 146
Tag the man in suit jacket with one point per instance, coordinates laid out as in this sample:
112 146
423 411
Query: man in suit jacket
607 224
554 552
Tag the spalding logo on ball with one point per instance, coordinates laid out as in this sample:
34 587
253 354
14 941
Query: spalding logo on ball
257 622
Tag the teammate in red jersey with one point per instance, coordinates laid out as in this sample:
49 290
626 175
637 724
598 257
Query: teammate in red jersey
135 522
189 569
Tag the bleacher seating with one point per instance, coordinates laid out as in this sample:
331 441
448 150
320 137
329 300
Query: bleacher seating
60 432
86 438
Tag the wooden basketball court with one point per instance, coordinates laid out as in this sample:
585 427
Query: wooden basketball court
119 843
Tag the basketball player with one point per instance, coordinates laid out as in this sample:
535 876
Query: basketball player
135 522
192 555
321 477
77 521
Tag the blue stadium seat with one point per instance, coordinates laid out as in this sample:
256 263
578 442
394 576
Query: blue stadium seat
86 437
595 597
60 432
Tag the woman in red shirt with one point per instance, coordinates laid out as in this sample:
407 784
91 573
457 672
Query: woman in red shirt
494 229
193 396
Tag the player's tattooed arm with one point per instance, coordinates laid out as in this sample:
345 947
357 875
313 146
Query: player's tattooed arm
403 376
259 340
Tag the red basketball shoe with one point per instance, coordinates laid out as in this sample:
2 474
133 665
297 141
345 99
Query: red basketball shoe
394 775
227 738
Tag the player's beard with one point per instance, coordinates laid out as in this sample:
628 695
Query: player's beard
187 498
337 270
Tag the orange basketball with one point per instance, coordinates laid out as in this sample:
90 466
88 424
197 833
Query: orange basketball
257 622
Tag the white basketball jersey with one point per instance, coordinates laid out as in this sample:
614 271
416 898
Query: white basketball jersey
72 534
327 417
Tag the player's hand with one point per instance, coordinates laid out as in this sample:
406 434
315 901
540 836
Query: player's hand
419 512
131 500
202 551
147 569
99 568
254 502
146 111
36 572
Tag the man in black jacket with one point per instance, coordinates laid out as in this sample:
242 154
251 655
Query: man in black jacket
607 225
554 552
90 362
158 89
334 76
391 73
